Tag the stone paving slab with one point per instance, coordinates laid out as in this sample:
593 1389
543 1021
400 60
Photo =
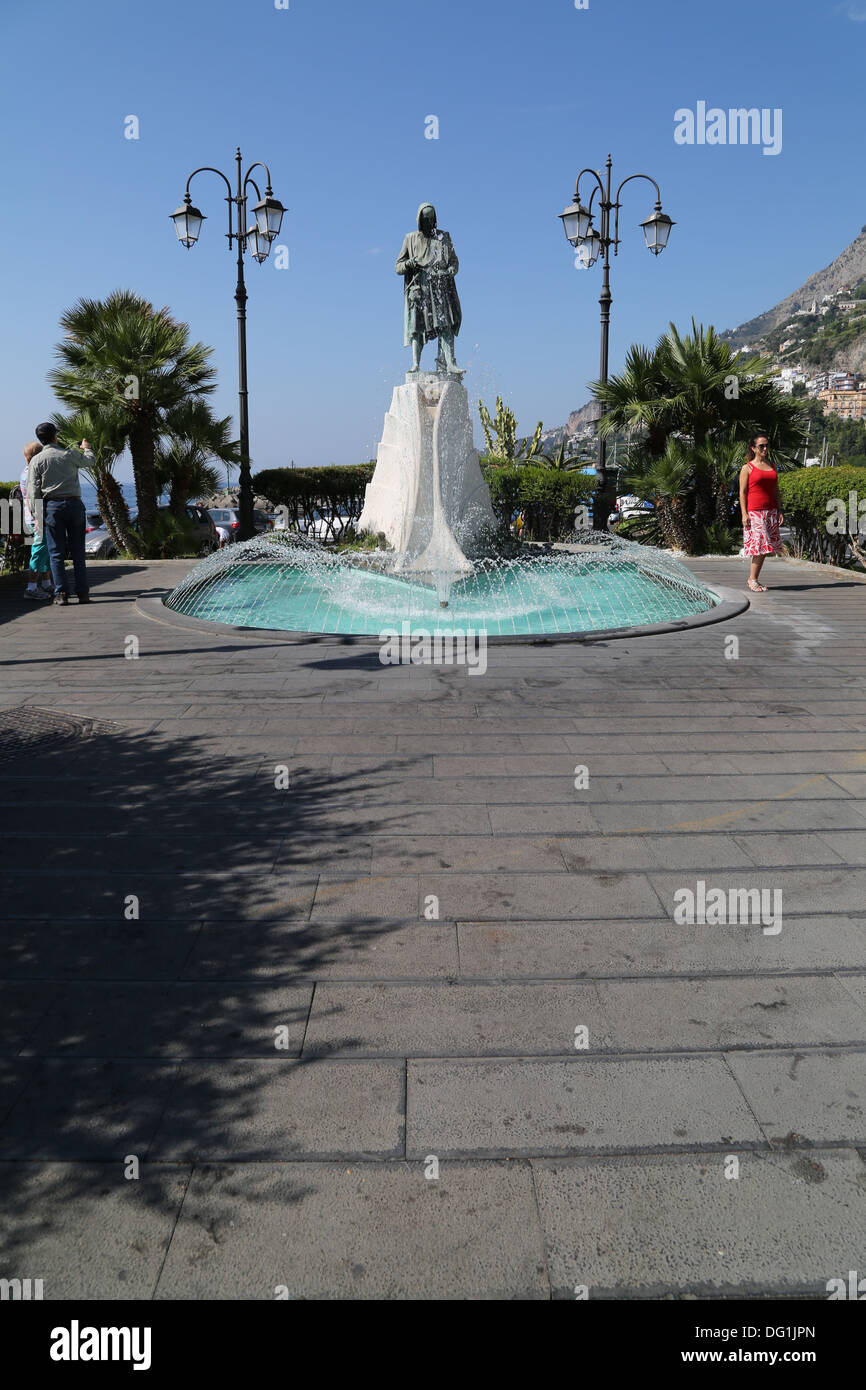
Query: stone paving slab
325 951
801 813
509 949
787 849
415 854
838 889
630 852
819 1096
452 1020
855 985
22 1007
521 1108
86 1231
728 1012
15 1075
86 1110
96 951
170 1020
848 845
281 1109
671 1225
500 895
332 1231
102 894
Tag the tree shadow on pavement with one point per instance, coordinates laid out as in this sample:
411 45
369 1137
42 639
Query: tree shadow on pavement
157 969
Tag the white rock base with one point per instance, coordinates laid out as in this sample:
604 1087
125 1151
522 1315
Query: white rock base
427 495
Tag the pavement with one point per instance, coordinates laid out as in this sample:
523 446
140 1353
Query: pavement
324 979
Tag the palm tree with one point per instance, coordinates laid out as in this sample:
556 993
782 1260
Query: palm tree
194 437
696 388
635 402
106 434
123 355
563 461
668 481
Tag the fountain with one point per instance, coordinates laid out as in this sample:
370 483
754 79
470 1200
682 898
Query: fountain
440 569
427 488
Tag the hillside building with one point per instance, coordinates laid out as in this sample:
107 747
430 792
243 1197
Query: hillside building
847 404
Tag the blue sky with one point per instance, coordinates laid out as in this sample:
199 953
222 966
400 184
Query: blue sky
333 95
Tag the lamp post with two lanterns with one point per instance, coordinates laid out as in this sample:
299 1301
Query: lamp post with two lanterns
256 239
590 243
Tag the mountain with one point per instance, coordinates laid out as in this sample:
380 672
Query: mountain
846 272
580 427
835 340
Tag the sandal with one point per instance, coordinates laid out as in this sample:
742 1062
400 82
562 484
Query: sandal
755 587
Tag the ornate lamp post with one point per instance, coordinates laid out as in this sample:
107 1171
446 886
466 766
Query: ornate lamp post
256 239
589 243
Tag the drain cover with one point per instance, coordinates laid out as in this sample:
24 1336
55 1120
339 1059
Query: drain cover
27 729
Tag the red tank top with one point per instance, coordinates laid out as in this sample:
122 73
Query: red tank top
761 490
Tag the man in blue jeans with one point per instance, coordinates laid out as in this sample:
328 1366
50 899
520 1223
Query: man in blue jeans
52 484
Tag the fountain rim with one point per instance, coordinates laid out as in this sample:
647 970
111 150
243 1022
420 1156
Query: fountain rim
730 604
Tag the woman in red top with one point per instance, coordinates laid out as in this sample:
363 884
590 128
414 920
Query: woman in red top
761 507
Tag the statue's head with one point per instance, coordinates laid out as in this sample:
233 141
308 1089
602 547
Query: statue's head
427 218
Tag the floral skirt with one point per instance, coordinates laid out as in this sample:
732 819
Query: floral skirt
761 536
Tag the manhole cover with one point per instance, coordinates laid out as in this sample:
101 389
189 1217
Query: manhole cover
28 729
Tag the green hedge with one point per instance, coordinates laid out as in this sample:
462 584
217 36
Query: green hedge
805 493
328 491
546 496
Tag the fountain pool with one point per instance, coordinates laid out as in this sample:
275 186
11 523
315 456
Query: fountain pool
286 583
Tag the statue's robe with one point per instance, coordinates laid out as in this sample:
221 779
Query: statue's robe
430 302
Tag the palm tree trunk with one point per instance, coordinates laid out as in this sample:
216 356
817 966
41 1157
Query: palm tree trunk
722 500
115 514
682 526
665 519
142 448
178 493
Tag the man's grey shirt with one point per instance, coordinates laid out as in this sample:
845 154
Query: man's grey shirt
53 473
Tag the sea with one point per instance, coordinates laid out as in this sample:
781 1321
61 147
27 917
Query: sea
88 495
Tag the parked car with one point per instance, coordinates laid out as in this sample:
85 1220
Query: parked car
207 532
628 506
325 529
98 543
230 518
94 522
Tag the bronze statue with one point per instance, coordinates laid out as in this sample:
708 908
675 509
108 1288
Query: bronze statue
431 307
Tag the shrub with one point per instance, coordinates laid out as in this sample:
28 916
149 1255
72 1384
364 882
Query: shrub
330 491
547 497
645 529
805 493
719 539
172 536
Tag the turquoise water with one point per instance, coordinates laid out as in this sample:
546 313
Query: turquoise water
564 594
